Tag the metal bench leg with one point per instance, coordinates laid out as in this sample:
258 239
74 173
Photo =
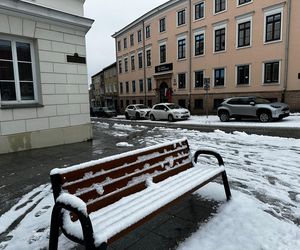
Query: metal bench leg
226 186
54 228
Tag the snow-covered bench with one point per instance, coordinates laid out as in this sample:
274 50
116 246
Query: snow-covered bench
100 201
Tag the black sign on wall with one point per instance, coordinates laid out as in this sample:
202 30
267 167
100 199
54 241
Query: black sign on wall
298 75
164 68
76 59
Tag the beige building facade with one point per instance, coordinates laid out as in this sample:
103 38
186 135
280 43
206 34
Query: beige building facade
231 48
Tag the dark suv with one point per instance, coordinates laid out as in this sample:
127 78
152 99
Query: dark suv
243 107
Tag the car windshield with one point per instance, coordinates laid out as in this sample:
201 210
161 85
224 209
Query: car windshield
174 106
259 100
141 106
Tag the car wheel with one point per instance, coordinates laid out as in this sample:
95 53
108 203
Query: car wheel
170 118
224 116
127 116
137 115
264 116
152 118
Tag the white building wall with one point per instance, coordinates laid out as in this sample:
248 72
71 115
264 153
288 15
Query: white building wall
64 100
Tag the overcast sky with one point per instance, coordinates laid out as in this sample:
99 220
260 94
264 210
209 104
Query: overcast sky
110 16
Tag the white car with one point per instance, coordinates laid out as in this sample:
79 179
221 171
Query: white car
137 111
168 111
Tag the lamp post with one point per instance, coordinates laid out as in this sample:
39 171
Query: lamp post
206 87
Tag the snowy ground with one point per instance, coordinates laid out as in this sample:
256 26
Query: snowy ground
292 121
264 174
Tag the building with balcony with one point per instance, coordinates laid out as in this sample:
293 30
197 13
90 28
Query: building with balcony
198 52
44 99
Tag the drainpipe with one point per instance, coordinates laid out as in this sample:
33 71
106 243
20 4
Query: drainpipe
144 60
287 49
190 53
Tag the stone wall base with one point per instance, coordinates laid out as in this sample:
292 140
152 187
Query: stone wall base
45 138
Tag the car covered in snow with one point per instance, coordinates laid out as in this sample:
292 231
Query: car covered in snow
169 111
252 107
137 111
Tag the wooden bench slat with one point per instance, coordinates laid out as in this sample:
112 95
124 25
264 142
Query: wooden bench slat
80 173
122 182
116 173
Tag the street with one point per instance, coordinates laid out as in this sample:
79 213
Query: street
261 168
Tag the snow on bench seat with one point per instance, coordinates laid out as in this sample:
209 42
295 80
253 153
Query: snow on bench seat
115 218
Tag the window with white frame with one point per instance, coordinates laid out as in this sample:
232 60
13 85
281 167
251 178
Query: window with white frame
199 43
141 81
220 6
148 57
132 40
140 60
125 43
273 25
149 84
126 64
148 31
132 62
243 74
181 81
241 2
180 17
271 72
181 44
244 32
139 35
162 24
219 77
17 71
120 67
199 79
133 86
220 38
199 10
163 53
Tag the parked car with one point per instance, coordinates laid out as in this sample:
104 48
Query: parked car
168 111
103 112
252 107
137 111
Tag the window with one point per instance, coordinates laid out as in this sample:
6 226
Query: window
271 72
180 17
149 84
132 58
181 81
17 71
133 87
127 87
217 103
119 45
148 56
162 25
220 38
150 103
220 5
141 86
121 88
132 40
139 36
199 79
181 103
148 31
163 53
199 44
120 67
198 104
140 58
273 27
219 77
243 75
133 101
125 43
181 48
244 34
126 64
141 101
199 11
240 2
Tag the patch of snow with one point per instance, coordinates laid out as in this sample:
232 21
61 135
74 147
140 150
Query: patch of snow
124 144
73 201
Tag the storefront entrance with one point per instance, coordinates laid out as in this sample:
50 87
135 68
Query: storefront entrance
163 88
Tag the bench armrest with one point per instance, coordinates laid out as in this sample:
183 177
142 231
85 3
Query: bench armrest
73 202
208 152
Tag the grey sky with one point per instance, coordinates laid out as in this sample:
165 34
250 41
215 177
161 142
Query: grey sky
110 16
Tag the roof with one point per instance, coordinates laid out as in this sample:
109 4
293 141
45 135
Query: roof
149 14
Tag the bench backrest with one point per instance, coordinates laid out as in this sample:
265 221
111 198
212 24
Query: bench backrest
103 182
